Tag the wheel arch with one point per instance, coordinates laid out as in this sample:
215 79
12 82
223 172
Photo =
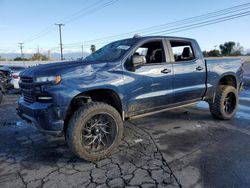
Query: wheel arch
229 80
108 96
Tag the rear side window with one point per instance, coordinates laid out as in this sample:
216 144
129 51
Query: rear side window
182 51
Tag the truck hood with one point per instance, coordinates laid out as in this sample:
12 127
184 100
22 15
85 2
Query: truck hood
60 68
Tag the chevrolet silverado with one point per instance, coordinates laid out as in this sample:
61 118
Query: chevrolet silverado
88 100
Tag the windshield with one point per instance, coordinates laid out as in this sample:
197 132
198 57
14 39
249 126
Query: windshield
112 51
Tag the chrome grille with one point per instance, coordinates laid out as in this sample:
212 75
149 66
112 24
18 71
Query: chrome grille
27 89
26 79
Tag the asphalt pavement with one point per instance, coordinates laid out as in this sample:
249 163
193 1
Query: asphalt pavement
201 151
30 159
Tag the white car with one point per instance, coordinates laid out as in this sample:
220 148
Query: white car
15 76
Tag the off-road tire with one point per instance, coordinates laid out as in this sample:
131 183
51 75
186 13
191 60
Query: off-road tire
217 107
1 96
80 118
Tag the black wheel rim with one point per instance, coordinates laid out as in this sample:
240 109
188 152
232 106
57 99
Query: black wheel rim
99 132
230 103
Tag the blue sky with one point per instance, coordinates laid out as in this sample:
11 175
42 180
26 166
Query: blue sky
20 20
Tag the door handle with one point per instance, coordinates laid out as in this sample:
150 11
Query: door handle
199 68
165 71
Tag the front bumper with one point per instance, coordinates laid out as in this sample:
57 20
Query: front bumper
44 116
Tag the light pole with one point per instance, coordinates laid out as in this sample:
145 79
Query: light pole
21 48
82 50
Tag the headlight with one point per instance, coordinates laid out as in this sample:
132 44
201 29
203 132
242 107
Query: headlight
49 79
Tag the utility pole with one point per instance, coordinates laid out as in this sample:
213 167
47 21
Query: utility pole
60 33
82 50
38 50
21 48
38 53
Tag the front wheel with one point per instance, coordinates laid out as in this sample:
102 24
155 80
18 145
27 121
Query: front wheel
225 103
94 131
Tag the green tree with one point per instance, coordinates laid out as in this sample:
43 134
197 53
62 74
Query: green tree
214 53
20 59
237 50
39 57
236 53
92 48
227 48
205 54
211 53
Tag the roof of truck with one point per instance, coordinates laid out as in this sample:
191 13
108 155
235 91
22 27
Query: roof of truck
160 36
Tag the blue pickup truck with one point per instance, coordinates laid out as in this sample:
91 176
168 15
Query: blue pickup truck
88 100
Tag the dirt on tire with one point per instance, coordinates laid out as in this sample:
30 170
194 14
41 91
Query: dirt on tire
79 119
217 106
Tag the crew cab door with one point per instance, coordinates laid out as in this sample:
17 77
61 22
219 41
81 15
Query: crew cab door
189 82
152 84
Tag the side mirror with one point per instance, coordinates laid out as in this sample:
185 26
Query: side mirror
138 60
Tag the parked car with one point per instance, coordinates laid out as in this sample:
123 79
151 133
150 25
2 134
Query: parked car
2 87
5 73
16 70
88 100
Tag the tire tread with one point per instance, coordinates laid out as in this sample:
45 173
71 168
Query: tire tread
215 107
71 133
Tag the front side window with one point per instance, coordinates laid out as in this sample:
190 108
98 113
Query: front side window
182 51
153 51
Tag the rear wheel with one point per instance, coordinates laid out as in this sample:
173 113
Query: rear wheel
95 130
225 103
